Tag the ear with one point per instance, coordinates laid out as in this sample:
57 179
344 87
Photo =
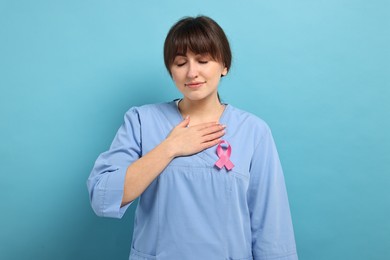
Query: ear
224 72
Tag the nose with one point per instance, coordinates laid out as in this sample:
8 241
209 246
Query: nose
192 70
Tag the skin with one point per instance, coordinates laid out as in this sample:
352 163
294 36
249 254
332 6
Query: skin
197 78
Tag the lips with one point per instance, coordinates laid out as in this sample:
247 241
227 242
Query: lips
194 84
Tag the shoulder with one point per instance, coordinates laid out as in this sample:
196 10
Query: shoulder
249 122
149 108
149 113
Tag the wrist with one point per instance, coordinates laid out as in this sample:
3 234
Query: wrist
169 149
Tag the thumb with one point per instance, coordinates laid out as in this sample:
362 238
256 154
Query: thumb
185 122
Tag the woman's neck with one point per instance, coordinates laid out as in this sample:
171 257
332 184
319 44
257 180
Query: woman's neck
201 111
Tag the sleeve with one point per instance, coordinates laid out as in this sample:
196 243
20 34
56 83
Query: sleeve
271 225
106 181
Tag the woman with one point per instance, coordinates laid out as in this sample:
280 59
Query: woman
207 174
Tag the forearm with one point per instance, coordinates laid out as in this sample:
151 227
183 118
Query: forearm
181 141
143 171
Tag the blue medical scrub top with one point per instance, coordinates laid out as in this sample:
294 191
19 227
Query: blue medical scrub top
193 209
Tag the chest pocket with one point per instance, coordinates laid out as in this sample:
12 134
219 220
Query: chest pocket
195 204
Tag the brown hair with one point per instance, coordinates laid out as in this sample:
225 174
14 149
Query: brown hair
200 35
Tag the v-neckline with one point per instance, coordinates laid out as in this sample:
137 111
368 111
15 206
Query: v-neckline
221 118
207 155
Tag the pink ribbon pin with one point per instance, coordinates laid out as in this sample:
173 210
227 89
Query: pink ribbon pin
224 156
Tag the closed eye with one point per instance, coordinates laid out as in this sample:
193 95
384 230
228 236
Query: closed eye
203 61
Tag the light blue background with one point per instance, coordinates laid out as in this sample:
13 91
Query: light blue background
317 71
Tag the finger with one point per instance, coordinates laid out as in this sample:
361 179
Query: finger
213 136
210 143
204 125
185 122
212 129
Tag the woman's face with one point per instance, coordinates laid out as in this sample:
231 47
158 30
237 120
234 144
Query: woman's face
197 75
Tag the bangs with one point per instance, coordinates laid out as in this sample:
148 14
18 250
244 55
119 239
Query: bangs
195 39
200 35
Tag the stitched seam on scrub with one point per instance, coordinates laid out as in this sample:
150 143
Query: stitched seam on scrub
236 173
103 206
